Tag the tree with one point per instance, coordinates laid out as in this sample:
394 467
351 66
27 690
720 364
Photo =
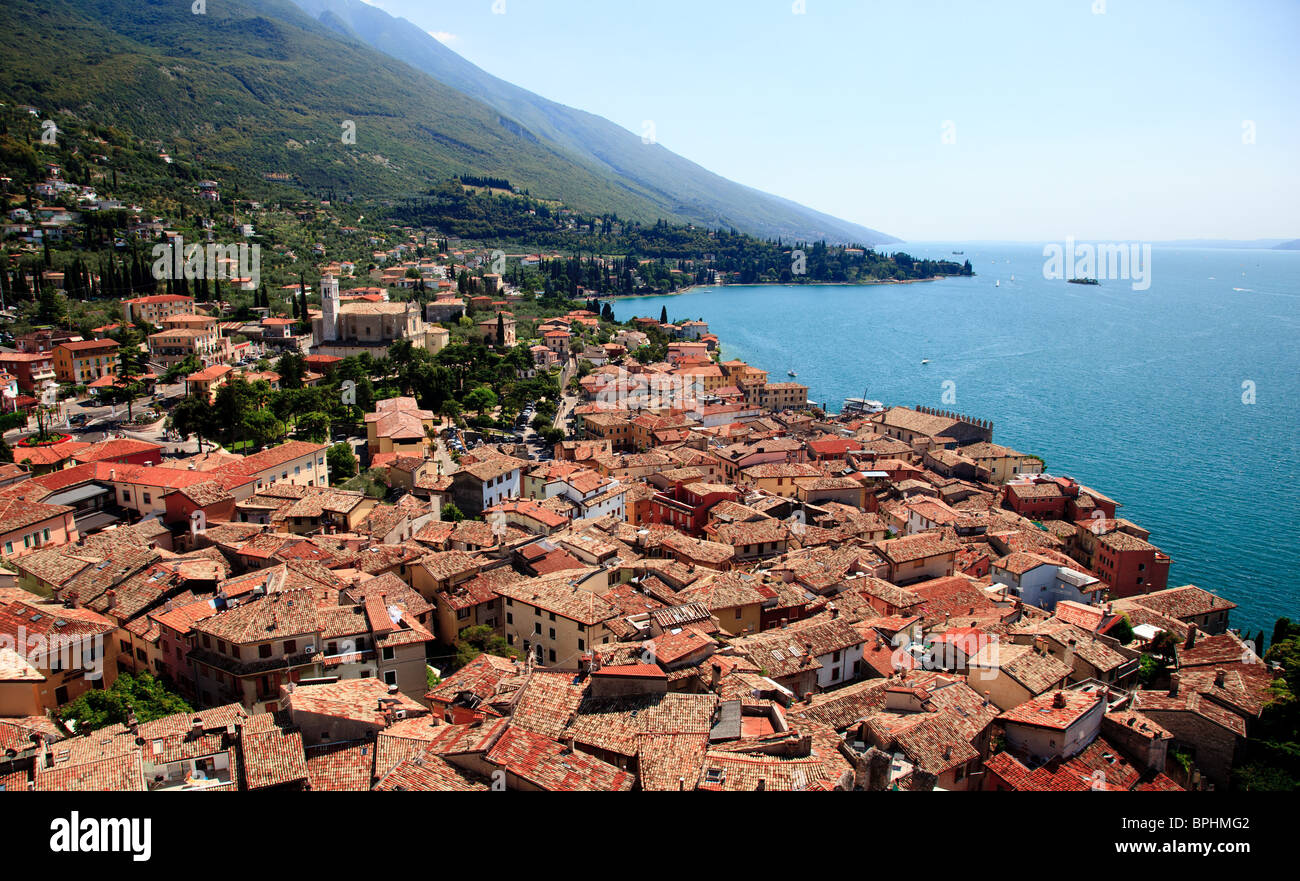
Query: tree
314 426
342 462
131 366
1272 755
663 315
452 514
481 400
182 369
192 416
292 366
481 639
143 696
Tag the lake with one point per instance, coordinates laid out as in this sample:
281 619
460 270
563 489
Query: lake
1141 394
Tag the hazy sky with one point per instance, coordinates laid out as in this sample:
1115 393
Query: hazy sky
966 119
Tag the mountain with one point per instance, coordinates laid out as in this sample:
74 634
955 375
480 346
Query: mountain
259 87
679 188
255 87
1293 245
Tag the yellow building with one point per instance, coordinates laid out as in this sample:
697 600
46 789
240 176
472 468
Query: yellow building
556 618
399 426
84 361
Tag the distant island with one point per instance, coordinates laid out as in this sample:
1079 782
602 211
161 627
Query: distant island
1084 281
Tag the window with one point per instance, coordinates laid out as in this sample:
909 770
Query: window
390 677
552 633
551 655
147 498
264 650
290 646
510 617
388 654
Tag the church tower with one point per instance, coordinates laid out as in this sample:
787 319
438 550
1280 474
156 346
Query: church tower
329 304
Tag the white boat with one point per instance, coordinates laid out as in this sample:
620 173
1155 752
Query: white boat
997 284
1013 278
925 361
791 373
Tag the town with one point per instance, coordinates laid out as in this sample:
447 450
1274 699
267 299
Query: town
402 510
674 575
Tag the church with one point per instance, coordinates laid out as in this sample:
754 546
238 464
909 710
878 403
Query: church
352 328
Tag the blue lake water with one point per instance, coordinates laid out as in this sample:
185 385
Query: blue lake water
1137 393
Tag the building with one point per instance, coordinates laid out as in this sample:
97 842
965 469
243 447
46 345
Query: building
353 328
400 427
50 655
245 654
558 617
81 363
32 371
185 335
206 382
25 526
153 309
480 485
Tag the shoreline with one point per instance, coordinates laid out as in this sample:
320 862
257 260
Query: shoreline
778 284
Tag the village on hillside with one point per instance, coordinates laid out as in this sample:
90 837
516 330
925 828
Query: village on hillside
682 576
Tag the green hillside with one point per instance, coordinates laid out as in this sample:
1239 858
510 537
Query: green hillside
680 189
255 89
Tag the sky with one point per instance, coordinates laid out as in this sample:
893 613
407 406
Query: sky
1105 120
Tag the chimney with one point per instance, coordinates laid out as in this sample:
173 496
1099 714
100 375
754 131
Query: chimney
196 727
1058 700
110 598
1191 637
1040 645
1219 677
835 611
1068 659
715 676
392 689
808 696
569 744
1173 684
987 701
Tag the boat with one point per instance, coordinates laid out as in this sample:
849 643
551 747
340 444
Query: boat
791 373
1084 281
925 360
1013 278
959 253
997 284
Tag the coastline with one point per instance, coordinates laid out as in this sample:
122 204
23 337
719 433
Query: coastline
779 284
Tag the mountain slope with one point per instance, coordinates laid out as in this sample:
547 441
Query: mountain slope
253 88
679 187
